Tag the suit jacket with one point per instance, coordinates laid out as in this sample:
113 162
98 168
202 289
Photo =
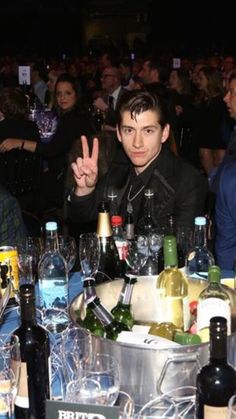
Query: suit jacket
111 115
178 187
225 216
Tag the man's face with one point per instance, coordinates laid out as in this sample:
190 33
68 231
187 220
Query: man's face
147 74
142 138
230 98
110 80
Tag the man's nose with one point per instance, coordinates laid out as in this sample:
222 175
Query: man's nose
138 140
226 97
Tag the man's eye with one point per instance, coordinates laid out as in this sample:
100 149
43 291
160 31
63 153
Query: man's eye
127 130
148 131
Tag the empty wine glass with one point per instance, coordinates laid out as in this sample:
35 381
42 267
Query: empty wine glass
68 249
137 254
232 407
76 350
9 372
89 253
97 383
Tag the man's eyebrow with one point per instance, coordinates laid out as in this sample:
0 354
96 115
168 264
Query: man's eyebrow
145 127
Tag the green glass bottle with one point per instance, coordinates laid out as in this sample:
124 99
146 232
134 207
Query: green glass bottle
172 289
185 338
90 321
122 311
212 301
112 326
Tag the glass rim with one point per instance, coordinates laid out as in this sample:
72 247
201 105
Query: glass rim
4 337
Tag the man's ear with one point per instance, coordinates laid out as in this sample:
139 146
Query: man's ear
118 134
166 133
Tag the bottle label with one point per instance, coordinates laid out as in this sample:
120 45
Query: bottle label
211 307
212 412
122 247
174 310
54 293
22 398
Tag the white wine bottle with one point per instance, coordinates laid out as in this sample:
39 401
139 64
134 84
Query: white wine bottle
212 301
172 289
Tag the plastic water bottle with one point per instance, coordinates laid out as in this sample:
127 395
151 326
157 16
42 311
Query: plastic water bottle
53 283
199 258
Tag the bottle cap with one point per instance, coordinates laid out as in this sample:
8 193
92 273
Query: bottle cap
200 221
214 274
130 280
185 338
116 220
51 226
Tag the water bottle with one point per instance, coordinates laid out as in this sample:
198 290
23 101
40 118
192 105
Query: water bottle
53 283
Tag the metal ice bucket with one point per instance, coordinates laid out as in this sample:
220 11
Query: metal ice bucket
146 372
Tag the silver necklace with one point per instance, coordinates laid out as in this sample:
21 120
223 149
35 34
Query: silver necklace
129 199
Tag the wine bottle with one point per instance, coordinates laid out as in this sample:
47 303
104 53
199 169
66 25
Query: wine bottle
169 331
109 264
90 321
212 301
119 238
216 381
53 282
172 289
112 327
122 310
34 347
129 226
199 258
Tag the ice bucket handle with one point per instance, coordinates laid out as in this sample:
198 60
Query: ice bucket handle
177 358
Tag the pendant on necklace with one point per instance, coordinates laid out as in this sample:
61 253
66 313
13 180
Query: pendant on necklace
129 208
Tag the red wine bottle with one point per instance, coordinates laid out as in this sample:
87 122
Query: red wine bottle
34 347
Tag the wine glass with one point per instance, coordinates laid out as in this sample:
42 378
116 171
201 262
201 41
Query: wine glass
68 249
9 372
76 350
89 253
97 383
137 254
232 407
154 244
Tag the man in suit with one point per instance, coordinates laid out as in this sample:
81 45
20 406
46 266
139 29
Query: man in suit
12 229
113 90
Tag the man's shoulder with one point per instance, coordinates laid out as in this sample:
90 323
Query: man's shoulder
228 172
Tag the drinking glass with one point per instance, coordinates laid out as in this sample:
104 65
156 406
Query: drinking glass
76 350
137 254
89 253
154 244
32 247
97 383
9 372
232 407
68 249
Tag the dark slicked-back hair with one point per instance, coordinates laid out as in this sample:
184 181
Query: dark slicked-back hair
137 102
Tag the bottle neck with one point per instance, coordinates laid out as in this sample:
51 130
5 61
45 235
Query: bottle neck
218 348
89 294
200 239
126 293
103 315
28 311
52 240
148 211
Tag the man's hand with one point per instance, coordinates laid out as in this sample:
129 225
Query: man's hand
100 104
85 169
9 144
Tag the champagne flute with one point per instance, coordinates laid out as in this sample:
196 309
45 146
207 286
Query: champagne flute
89 253
68 249
9 372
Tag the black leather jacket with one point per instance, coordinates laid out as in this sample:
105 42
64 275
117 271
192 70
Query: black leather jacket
179 190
